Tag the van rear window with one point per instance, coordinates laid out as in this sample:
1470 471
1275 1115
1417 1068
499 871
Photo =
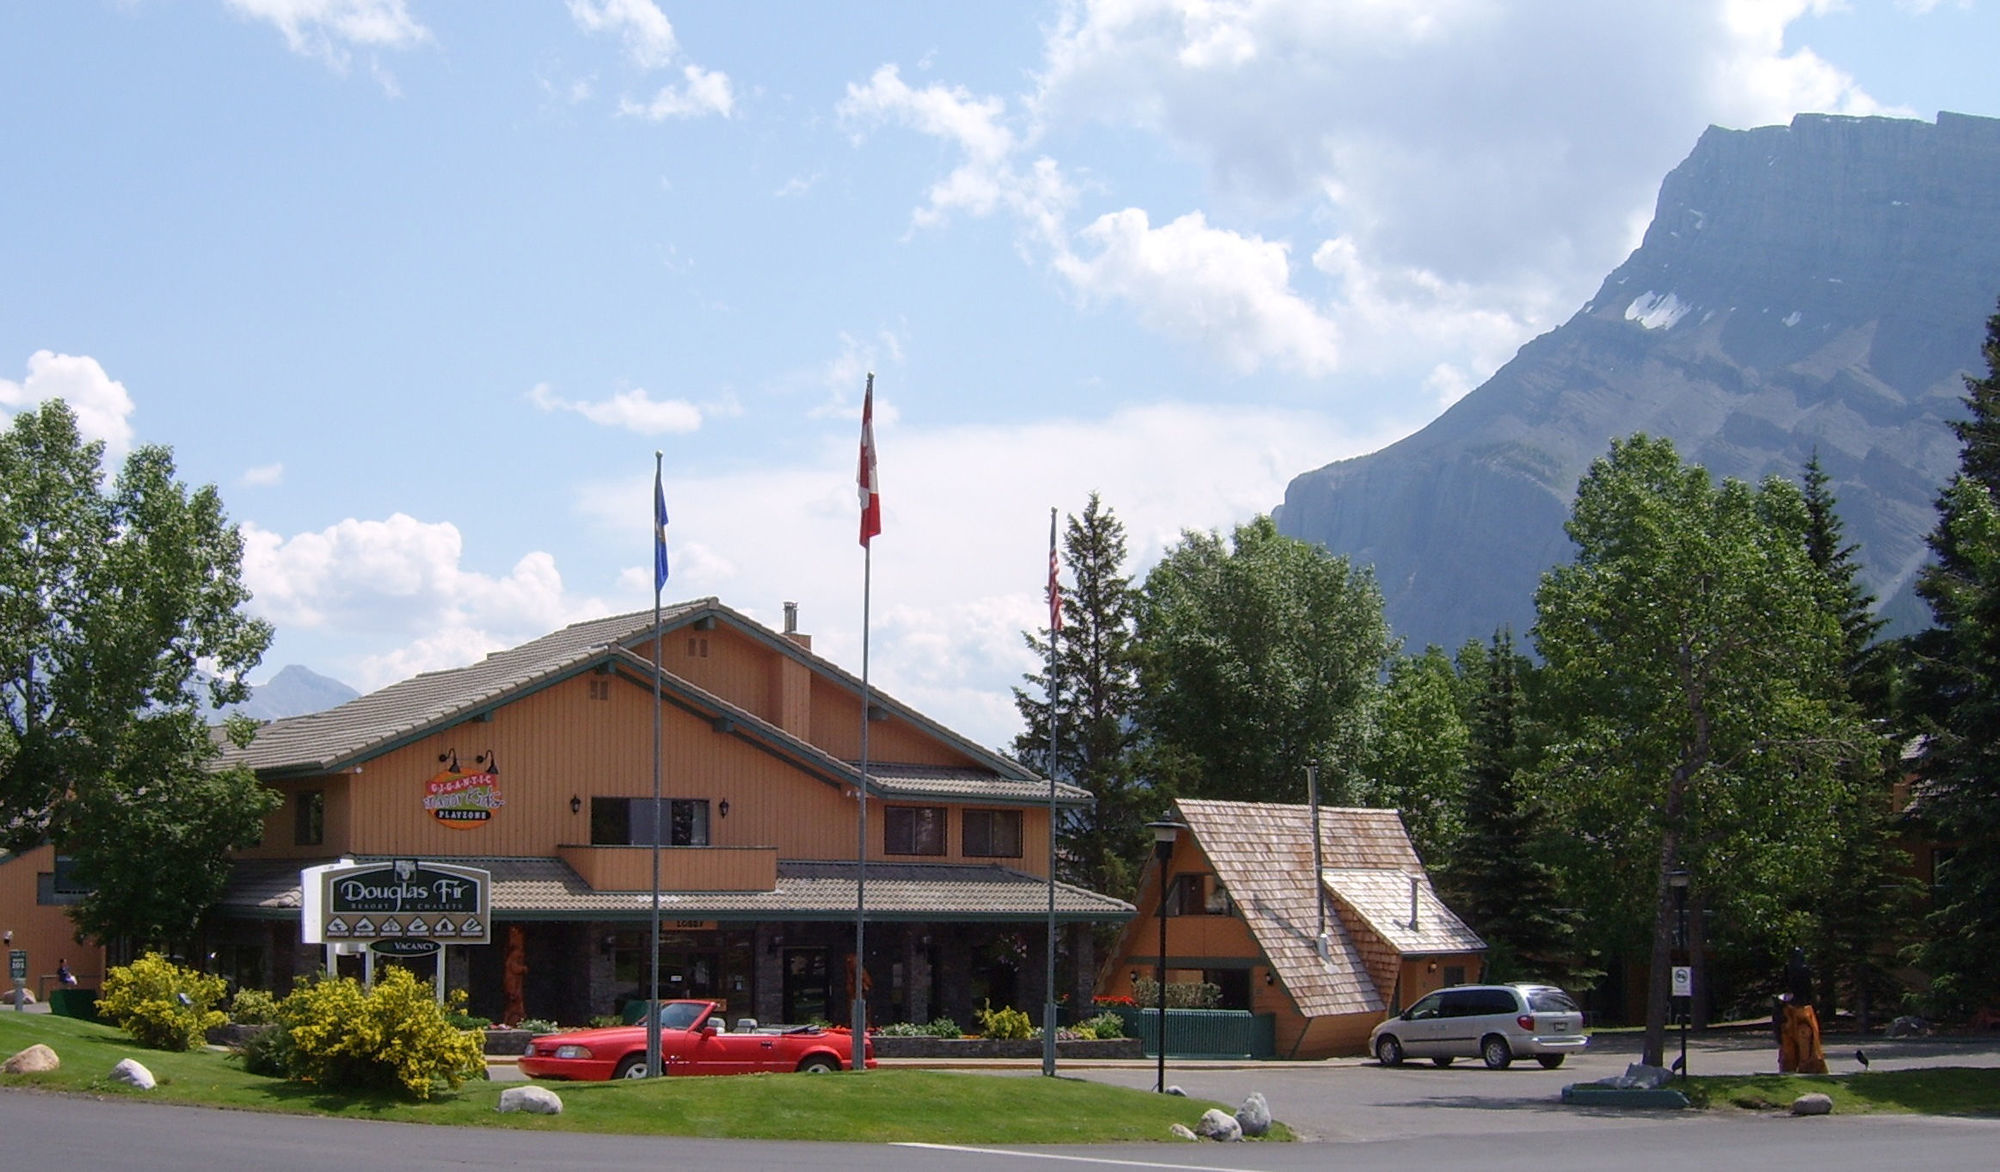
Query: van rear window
1551 1001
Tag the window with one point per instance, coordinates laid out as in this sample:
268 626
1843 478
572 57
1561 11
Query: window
60 887
309 817
913 830
1197 895
992 834
629 821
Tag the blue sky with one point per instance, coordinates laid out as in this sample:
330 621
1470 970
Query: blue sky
423 285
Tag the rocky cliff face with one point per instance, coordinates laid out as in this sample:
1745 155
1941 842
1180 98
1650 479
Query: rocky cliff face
1814 287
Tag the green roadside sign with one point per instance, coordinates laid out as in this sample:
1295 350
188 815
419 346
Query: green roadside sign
17 963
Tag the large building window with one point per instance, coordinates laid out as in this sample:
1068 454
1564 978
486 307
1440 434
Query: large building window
913 830
629 821
992 834
309 817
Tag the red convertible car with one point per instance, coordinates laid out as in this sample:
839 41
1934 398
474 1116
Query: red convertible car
692 1041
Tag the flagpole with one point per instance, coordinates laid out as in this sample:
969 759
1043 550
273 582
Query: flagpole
659 584
871 524
1055 687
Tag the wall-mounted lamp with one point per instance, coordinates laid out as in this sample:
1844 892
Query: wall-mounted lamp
575 804
1270 977
772 945
1432 968
610 943
722 808
1135 976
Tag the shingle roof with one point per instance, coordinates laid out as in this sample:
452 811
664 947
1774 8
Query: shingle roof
1263 853
1382 898
541 888
322 741
968 785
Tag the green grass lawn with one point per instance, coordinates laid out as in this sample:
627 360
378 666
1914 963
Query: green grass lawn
878 1106
1940 1090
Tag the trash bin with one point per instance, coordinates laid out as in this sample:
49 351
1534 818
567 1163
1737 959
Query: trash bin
79 1003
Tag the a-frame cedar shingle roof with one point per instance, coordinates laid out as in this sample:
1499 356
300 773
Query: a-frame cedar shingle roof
1263 853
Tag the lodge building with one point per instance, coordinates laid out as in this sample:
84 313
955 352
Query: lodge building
536 764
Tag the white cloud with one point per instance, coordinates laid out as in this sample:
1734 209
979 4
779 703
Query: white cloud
706 92
633 410
1186 279
264 475
399 583
328 28
647 34
1475 166
102 406
946 630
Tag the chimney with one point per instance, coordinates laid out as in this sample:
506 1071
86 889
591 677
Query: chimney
792 627
1413 903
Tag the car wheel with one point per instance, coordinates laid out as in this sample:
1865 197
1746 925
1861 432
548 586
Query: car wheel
1550 1061
1442 1060
818 1064
1388 1050
1495 1052
634 1066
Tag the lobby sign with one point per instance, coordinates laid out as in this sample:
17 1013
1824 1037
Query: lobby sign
408 899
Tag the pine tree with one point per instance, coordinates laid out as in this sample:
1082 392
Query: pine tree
1959 684
1510 895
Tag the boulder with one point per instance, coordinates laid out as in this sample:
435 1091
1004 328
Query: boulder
1813 1104
1254 1116
1180 1131
1218 1125
1176 1090
36 1059
8 998
1909 1027
533 1100
133 1074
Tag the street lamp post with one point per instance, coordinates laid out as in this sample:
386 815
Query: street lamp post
1678 880
1164 834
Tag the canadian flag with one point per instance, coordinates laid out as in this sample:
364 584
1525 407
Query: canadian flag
869 484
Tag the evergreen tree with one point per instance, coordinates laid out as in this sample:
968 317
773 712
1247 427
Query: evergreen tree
1959 684
1097 669
1415 762
1510 893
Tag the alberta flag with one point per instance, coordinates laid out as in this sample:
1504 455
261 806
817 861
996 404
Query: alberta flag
659 534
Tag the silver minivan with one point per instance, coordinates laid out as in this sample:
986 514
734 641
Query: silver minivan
1495 1023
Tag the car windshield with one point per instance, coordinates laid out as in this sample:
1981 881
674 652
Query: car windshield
1551 1001
679 1015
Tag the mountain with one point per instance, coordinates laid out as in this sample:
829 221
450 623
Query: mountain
294 691
1819 287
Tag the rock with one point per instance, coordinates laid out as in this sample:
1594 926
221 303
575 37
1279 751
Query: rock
133 1074
1175 1090
36 1059
533 1100
1180 1131
26 998
1254 1116
1219 1125
1650 1078
1909 1027
1813 1104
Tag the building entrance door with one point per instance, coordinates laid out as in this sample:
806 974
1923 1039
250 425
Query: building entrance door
808 995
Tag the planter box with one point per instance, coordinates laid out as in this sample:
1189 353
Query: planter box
1204 1033
947 1048
507 1041
78 1003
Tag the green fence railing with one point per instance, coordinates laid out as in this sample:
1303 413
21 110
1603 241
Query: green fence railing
1204 1033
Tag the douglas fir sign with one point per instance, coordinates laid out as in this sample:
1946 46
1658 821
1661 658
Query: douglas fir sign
464 800
405 900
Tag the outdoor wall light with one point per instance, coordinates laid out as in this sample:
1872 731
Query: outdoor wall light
1270 977
723 808
575 804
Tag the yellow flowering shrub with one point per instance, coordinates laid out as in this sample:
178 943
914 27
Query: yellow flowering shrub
392 1037
1004 1023
160 1003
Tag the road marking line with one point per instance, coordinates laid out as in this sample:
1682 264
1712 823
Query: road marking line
1070 1159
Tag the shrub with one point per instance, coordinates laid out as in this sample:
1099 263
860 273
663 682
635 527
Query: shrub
253 1007
161 1004
943 1027
1104 1025
1004 1023
392 1037
604 1021
461 1020
1146 992
903 1029
267 1052
537 1025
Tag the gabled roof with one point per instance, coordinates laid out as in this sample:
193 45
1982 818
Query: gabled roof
542 888
381 721
1263 853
